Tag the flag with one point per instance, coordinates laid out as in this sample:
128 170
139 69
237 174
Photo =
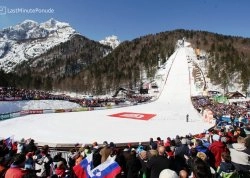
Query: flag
8 142
81 170
108 169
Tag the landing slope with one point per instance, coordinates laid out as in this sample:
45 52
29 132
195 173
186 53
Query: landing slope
170 111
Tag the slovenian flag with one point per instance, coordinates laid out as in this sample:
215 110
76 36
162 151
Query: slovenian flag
81 170
108 169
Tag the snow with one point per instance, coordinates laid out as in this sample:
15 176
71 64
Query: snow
170 108
30 39
15 106
112 41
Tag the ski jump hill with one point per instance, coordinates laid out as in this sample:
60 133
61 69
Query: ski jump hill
164 117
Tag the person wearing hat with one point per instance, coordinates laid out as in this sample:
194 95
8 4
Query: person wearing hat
105 152
168 173
16 169
60 169
58 157
21 146
216 148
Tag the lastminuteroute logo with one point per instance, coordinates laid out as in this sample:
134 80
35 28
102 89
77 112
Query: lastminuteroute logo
2 10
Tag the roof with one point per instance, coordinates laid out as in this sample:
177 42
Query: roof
235 94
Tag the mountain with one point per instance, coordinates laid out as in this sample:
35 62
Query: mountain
30 39
81 64
111 41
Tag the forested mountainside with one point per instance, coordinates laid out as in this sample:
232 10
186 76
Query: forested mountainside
84 65
228 57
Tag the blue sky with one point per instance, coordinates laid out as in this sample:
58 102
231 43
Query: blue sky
129 19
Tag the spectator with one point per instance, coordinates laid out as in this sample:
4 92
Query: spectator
168 173
3 167
180 151
29 162
226 168
105 152
42 162
183 174
58 157
203 156
190 159
96 154
31 147
60 169
21 146
151 142
216 149
169 152
159 141
72 155
79 159
153 150
201 169
144 172
3 149
168 142
240 153
247 130
133 165
200 147
157 163
16 169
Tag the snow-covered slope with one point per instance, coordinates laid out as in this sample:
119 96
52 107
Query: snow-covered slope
30 39
170 109
112 41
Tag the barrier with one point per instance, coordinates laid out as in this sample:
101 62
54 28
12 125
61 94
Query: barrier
16 98
59 110
36 111
5 116
208 116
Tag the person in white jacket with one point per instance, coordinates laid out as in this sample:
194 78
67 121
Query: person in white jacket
240 154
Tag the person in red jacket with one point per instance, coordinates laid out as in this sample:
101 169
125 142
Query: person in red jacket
217 148
60 169
16 169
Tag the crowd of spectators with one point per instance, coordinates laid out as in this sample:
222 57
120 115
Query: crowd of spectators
219 109
14 94
210 154
213 154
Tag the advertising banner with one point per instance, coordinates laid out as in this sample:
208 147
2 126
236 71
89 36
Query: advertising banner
131 115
